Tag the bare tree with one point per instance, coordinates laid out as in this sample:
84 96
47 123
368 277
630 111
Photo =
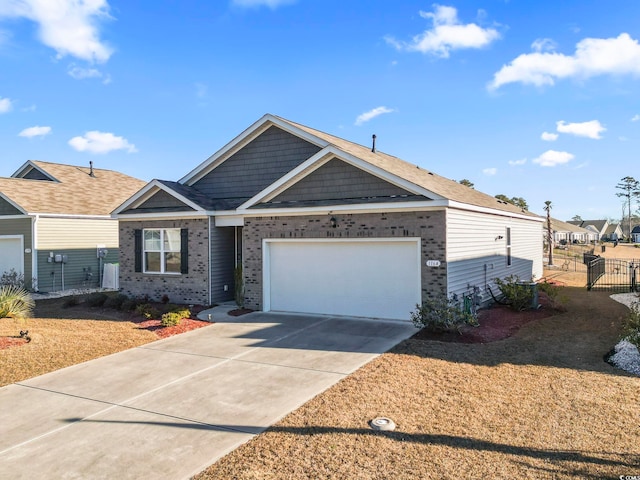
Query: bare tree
630 190
547 208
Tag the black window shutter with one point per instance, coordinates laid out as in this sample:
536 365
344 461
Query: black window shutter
137 246
184 250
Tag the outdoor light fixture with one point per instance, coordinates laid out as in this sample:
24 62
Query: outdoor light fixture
334 222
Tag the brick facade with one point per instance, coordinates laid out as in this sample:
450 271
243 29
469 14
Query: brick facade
429 226
190 288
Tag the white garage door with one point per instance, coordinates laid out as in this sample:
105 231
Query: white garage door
364 278
11 256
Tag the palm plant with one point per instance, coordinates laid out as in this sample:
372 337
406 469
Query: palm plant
15 302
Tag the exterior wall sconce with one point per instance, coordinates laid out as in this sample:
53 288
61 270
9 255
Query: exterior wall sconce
499 237
334 222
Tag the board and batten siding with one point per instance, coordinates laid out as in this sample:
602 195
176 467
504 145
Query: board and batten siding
67 233
477 250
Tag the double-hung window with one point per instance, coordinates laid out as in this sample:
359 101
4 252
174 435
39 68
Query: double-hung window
161 250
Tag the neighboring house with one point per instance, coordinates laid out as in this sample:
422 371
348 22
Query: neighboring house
599 228
319 225
565 232
612 233
635 234
53 220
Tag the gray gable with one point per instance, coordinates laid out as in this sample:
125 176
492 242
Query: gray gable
7 209
161 201
256 166
35 174
340 181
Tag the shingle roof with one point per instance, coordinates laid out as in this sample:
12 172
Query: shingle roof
75 193
449 189
560 226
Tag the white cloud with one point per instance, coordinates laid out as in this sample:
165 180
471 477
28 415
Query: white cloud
543 45
80 73
591 129
447 34
36 131
490 171
5 105
101 142
522 161
273 4
635 118
551 158
593 57
371 114
70 27
549 137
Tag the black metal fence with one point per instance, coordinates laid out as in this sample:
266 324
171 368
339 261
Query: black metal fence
612 273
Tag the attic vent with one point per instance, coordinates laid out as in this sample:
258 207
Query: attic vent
91 174
373 148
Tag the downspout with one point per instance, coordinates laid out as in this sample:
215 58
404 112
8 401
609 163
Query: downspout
34 252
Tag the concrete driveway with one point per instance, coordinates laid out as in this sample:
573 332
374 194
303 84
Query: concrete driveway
171 408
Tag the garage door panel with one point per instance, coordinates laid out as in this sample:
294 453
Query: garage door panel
378 279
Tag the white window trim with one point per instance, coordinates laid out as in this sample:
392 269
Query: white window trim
161 251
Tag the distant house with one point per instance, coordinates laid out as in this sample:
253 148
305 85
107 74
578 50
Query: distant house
55 223
635 234
601 229
314 223
566 233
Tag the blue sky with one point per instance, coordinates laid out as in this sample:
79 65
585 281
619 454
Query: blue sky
538 100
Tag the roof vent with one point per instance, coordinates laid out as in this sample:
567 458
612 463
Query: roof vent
91 174
373 148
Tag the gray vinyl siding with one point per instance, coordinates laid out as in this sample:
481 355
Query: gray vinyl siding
35 174
82 269
223 245
161 201
257 165
21 226
338 180
7 209
477 250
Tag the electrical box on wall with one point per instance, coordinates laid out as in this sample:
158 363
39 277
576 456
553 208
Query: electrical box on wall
59 258
101 251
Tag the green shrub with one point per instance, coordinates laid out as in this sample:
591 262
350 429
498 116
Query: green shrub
631 325
174 317
517 295
115 301
12 278
15 302
441 314
147 311
96 299
71 301
128 305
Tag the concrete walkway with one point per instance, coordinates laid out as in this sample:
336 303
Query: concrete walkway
168 409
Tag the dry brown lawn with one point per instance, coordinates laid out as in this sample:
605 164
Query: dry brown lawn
65 336
541 404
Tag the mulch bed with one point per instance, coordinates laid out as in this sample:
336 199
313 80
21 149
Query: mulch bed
496 323
186 324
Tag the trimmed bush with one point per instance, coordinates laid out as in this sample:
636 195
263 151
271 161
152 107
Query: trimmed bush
116 301
442 314
128 305
147 311
174 317
96 299
631 325
517 296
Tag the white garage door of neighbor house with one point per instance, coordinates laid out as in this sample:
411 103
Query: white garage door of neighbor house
11 256
363 278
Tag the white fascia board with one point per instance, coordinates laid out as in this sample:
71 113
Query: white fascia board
148 191
493 211
70 215
319 159
160 216
12 203
241 140
14 217
381 207
229 221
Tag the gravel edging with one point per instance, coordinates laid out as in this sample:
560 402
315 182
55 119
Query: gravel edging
626 355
